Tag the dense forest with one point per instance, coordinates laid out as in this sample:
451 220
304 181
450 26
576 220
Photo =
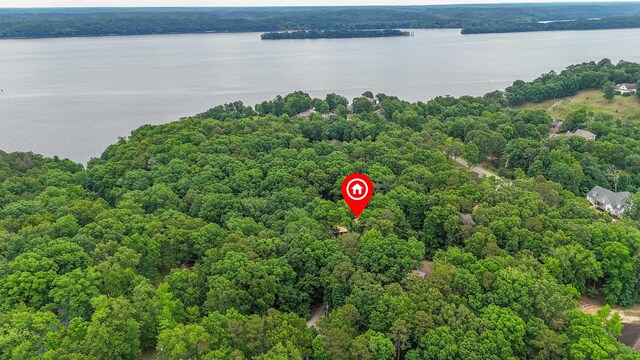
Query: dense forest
333 34
212 237
34 23
613 161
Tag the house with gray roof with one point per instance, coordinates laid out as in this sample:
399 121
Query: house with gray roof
612 202
580 132
585 134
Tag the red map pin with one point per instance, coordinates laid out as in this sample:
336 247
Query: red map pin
356 191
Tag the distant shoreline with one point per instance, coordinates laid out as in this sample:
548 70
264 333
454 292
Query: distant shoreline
124 35
472 19
260 32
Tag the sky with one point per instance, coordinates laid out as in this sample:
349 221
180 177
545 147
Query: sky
145 3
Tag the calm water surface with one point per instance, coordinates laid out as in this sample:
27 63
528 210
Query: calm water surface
73 97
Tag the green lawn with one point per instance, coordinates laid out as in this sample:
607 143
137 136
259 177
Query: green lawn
626 108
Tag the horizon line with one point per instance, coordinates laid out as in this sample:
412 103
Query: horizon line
541 2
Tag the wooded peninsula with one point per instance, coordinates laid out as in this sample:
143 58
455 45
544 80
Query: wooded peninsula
214 237
625 22
333 34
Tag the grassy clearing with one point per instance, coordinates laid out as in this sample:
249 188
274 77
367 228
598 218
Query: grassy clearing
624 108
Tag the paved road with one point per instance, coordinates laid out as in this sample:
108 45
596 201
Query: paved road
425 269
631 335
316 314
478 169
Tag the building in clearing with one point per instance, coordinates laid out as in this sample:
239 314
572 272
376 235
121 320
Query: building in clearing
307 114
581 133
585 134
556 124
615 203
626 88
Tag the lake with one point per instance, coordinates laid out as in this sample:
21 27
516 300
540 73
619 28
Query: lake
73 97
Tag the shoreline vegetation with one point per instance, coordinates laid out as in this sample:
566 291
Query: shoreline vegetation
333 34
472 19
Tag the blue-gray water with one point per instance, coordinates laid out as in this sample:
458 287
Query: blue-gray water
73 97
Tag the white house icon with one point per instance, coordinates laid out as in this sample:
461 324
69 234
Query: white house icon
357 189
